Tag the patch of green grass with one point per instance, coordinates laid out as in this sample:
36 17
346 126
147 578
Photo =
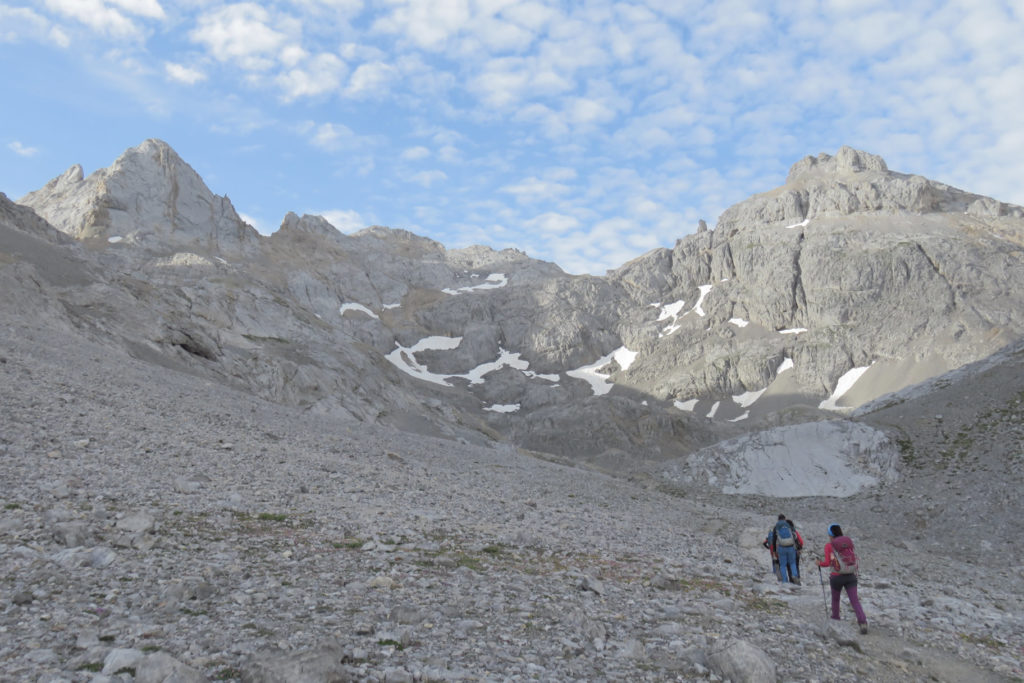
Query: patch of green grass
393 643
107 639
95 667
130 670
271 517
12 506
227 674
987 641
463 560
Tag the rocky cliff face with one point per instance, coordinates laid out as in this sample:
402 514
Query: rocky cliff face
848 282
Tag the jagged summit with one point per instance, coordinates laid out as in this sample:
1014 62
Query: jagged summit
149 196
855 182
847 160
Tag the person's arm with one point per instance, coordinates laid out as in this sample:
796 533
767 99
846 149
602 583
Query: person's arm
827 562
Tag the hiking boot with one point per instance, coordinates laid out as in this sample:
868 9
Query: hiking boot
864 628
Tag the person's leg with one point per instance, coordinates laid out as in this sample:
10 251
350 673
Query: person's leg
837 591
851 593
785 562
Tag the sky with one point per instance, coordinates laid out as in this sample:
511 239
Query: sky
584 133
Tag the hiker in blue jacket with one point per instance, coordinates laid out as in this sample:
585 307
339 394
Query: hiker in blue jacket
784 542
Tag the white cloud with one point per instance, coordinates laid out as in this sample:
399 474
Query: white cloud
22 150
143 8
371 80
428 178
98 16
552 223
427 24
533 189
183 74
415 153
241 33
344 220
332 136
20 23
319 75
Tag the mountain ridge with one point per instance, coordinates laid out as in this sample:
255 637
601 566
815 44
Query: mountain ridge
848 273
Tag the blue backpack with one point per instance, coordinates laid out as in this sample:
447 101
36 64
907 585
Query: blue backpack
784 535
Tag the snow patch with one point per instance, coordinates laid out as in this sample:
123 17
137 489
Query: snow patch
844 384
832 458
115 239
786 364
503 408
493 281
404 358
598 380
688 406
793 330
747 398
357 307
739 322
802 224
714 409
704 290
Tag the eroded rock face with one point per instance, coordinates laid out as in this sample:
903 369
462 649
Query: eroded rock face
149 196
848 282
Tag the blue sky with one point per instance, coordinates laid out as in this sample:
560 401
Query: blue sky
584 133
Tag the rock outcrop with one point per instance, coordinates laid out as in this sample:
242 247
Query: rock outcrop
849 282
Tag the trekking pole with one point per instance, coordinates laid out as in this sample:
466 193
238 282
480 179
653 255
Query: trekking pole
821 580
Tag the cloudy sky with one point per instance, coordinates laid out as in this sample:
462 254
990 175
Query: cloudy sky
584 133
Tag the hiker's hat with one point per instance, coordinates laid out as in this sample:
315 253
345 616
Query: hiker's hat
830 528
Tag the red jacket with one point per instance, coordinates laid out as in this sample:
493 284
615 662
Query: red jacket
829 561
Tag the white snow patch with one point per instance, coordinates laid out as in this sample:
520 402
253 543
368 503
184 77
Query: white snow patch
357 307
786 364
744 416
624 357
599 381
390 306
493 281
793 330
802 224
505 359
404 358
844 384
739 322
832 458
746 399
688 406
503 408
550 378
224 261
115 239
714 409
670 310
704 289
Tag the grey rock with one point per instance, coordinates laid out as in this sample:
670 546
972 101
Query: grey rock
160 667
739 661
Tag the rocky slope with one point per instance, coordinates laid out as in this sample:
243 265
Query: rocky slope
847 283
315 456
156 526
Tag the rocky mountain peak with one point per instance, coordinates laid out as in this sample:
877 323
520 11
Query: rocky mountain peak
149 196
846 161
854 182
307 224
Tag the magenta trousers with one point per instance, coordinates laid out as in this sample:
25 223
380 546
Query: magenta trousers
848 581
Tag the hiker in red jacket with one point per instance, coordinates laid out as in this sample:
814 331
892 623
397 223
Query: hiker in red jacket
840 557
